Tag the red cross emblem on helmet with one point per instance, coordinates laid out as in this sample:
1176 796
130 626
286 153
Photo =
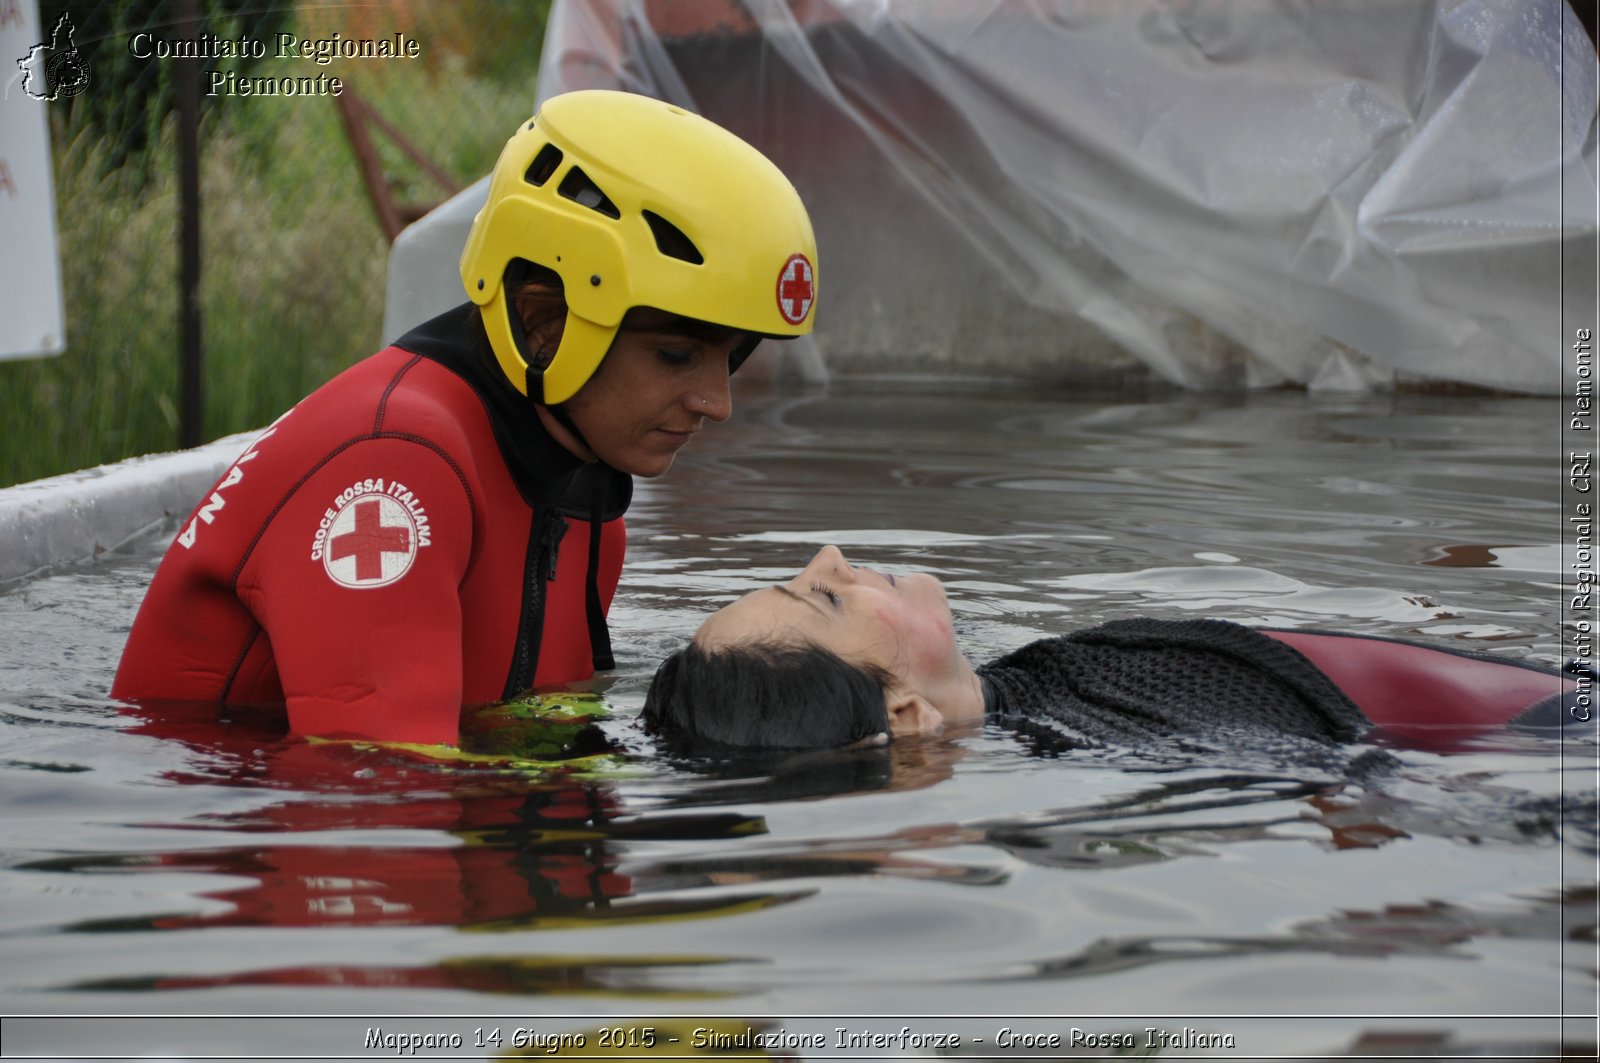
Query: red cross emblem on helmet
796 289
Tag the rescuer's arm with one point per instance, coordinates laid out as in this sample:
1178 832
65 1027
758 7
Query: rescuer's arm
356 583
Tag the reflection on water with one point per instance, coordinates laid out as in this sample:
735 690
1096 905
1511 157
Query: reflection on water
175 860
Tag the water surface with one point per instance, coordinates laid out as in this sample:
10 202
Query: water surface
188 866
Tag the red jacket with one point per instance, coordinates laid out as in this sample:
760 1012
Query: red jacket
405 541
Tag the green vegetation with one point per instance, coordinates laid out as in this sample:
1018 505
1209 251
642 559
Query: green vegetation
293 257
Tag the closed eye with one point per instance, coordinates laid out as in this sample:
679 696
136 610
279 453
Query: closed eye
824 589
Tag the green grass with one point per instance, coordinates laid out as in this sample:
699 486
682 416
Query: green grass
293 262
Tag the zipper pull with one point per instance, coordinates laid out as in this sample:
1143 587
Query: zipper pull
550 544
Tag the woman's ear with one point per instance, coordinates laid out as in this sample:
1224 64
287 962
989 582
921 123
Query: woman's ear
912 714
541 349
542 329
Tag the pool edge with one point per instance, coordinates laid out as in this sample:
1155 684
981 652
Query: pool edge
80 515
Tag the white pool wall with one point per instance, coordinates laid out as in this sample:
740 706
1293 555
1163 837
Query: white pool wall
80 515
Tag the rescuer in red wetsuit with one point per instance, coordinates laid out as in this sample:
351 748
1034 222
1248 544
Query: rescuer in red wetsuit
441 524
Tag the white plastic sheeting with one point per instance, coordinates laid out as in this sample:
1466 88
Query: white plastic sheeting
32 313
1217 193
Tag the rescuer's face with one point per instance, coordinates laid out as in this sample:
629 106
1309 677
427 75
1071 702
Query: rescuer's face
653 391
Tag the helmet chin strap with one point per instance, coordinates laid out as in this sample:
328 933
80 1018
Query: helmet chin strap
564 419
535 391
533 381
558 410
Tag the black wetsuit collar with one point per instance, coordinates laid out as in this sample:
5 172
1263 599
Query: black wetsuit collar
551 479
455 339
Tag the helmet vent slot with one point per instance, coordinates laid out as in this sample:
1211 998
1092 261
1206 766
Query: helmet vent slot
671 241
577 187
544 164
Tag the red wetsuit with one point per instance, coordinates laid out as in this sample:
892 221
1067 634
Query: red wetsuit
1422 692
405 541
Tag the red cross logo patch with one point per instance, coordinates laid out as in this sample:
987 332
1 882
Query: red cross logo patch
796 289
371 543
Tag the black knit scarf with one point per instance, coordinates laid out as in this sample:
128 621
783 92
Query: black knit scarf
1142 682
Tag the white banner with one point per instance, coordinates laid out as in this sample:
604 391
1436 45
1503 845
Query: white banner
37 67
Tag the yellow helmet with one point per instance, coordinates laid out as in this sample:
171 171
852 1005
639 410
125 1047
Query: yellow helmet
635 202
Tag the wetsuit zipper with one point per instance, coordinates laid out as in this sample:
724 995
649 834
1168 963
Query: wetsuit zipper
544 541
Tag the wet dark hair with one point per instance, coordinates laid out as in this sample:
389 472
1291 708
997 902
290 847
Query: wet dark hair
764 696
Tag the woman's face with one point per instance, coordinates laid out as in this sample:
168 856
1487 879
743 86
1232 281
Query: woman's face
653 391
901 624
